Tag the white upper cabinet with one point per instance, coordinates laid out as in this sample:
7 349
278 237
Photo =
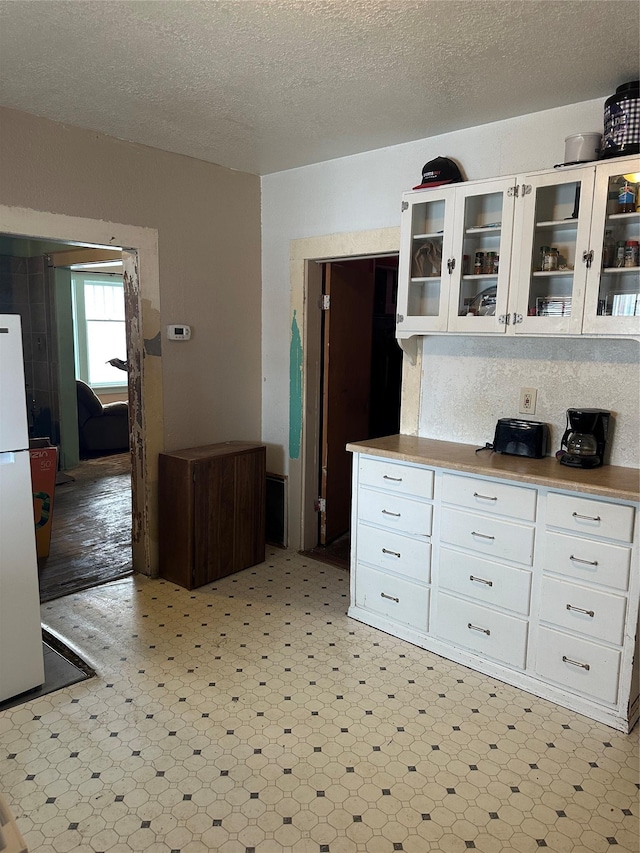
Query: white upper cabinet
425 249
612 301
551 241
539 254
481 256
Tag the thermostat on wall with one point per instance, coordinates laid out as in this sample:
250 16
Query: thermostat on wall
179 333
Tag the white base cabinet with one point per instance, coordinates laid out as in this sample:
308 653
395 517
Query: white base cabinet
535 586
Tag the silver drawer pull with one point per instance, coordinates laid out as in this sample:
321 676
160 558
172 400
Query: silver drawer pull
395 479
394 514
484 497
476 628
480 580
393 553
581 610
586 517
482 535
576 663
586 562
390 597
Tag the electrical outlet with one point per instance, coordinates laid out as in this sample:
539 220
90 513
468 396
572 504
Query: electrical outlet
528 401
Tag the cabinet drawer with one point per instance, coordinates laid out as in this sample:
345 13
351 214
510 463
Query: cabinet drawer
395 598
489 496
394 477
599 615
393 511
491 536
487 632
578 665
391 551
491 583
582 515
587 560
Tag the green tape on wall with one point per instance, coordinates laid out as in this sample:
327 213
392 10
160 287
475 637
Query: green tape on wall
295 390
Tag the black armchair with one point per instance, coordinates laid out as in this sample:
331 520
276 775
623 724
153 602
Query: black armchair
101 428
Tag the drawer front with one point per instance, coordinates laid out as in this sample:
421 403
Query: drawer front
395 477
395 598
491 583
599 615
487 632
391 551
578 665
485 496
582 515
390 510
587 560
490 536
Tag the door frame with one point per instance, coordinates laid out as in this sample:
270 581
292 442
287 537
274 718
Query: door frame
142 294
305 271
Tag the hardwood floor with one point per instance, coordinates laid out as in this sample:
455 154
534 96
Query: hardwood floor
91 529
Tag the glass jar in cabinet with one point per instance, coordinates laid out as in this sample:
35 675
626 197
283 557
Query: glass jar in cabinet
612 301
551 243
424 265
483 226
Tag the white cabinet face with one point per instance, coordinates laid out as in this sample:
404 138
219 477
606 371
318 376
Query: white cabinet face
425 252
552 238
612 303
482 253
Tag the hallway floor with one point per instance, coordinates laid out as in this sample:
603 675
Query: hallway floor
253 716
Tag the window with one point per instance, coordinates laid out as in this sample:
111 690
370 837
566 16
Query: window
99 329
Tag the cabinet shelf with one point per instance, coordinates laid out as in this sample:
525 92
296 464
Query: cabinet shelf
431 236
425 279
620 270
484 229
633 217
557 224
552 274
479 276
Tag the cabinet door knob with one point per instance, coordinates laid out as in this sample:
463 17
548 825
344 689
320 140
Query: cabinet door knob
477 628
586 517
395 479
393 553
581 610
482 535
586 562
484 497
576 663
480 580
390 597
394 514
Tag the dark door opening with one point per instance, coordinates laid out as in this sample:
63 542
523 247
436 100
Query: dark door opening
360 384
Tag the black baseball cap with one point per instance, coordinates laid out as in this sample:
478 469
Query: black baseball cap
440 171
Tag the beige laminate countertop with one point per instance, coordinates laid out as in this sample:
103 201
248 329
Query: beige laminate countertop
610 481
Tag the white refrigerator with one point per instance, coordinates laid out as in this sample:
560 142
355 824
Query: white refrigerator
21 654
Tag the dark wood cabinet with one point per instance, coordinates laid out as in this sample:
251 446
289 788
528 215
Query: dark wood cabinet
211 511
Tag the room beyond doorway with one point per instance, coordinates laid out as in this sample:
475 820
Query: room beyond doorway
91 528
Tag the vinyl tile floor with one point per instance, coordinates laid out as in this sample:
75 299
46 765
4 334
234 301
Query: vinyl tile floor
253 716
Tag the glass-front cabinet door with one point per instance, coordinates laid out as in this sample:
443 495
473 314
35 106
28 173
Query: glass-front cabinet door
612 303
482 256
553 215
425 252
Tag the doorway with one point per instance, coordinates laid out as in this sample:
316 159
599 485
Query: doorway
139 247
86 506
361 381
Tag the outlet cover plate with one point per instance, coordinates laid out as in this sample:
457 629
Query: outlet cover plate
528 401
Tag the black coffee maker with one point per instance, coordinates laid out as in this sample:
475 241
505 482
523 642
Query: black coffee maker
584 441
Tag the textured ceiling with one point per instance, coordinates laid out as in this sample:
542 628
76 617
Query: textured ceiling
267 85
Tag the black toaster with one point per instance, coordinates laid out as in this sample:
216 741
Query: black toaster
521 438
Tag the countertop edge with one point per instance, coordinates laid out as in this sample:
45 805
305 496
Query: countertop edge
442 454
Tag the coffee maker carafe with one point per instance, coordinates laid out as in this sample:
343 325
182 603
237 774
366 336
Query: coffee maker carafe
584 441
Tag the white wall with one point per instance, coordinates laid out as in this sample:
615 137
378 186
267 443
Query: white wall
363 192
